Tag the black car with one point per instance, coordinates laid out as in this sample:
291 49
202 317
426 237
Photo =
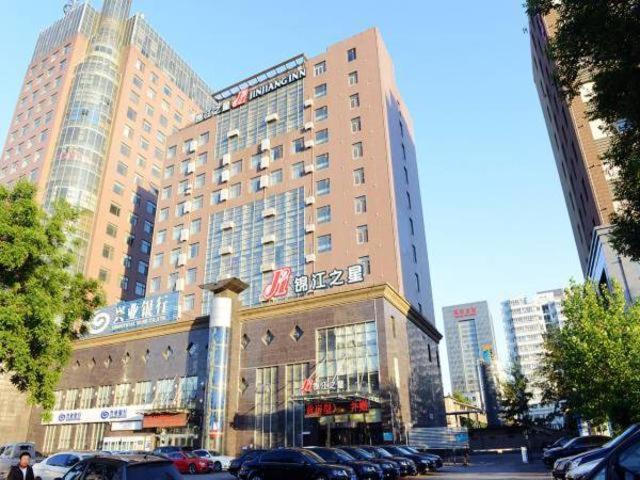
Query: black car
435 459
390 469
364 470
573 447
117 467
236 463
407 466
563 465
293 464
423 464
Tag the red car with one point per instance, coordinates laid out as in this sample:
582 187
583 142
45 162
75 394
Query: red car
187 462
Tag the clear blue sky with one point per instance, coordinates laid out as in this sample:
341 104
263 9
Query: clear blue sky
496 221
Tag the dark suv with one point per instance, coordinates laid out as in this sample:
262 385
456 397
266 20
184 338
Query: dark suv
407 466
293 464
390 469
236 463
573 447
364 470
117 467
423 463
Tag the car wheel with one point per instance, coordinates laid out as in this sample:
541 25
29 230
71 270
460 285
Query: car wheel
192 469
217 467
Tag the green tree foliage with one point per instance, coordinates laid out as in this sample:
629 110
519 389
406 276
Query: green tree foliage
43 304
515 398
592 364
600 40
461 397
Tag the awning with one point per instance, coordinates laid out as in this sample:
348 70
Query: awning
164 420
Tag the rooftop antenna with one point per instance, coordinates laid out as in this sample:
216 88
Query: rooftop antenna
70 5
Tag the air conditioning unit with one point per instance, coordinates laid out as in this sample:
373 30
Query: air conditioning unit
227 225
264 181
264 162
310 200
226 106
310 257
226 159
310 227
191 167
308 103
184 235
226 250
272 117
268 267
188 189
309 168
265 144
269 212
182 260
224 194
224 176
233 133
271 238
308 126
309 143
179 285
187 206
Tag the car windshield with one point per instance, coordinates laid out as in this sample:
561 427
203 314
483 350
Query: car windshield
190 455
200 453
312 457
394 450
359 454
213 453
344 455
382 452
615 441
411 449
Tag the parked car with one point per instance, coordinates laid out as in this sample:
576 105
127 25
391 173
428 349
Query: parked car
565 465
364 470
436 459
423 464
220 462
293 464
117 467
187 462
407 466
558 443
10 455
390 469
573 447
56 465
236 463
171 448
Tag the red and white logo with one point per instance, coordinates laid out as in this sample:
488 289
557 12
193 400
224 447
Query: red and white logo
279 286
241 98
307 385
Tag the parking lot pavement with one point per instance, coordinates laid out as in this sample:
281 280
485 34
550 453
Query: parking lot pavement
210 476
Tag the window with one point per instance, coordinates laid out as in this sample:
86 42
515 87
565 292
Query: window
201 159
140 289
196 226
140 65
322 161
125 149
320 90
357 150
406 175
204 138
145 247
151 208
189 304
161 237
107 251
164 214
322 136
146 126
200 181
190 278
122 168
112 230
319 68
148 110
297 145
148 227
366 264
236 189
194 250
297 170
356 125
158 259
354 100
131 114
351 54
358 176
127 131
171 151
137 81
323 187
324 243
353 78
411 228
361 204
362 234
276 153
236 168
114 210
254 184
118 188
155 284
321 114
103 275
126 261
323 214
276 177
143 267
198 203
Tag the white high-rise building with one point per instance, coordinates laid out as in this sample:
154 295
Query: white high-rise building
526 321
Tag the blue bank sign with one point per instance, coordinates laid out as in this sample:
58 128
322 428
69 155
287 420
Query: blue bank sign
144 312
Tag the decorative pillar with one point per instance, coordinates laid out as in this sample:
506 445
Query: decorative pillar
222 310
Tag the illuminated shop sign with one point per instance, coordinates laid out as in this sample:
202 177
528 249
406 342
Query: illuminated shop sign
246 95
135 314
323 409
128 413
283 280
465 312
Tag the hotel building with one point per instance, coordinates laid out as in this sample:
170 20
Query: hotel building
288 298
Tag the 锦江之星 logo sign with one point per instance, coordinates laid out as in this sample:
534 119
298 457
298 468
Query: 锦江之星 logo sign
283 279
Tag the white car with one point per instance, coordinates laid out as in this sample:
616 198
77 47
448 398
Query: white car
220 462
56 465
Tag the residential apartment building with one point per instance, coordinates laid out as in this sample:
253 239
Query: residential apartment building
526 321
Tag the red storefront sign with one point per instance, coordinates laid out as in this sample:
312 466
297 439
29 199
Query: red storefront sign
465 312
324 409
164 420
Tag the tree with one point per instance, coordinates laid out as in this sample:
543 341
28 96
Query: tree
515 398
602 39
461 397
592 364
43 304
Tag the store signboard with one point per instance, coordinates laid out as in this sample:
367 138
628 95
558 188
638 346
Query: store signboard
129 426
140 313
125 413
326 408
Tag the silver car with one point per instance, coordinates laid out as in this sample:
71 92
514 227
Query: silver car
56 465
220 462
